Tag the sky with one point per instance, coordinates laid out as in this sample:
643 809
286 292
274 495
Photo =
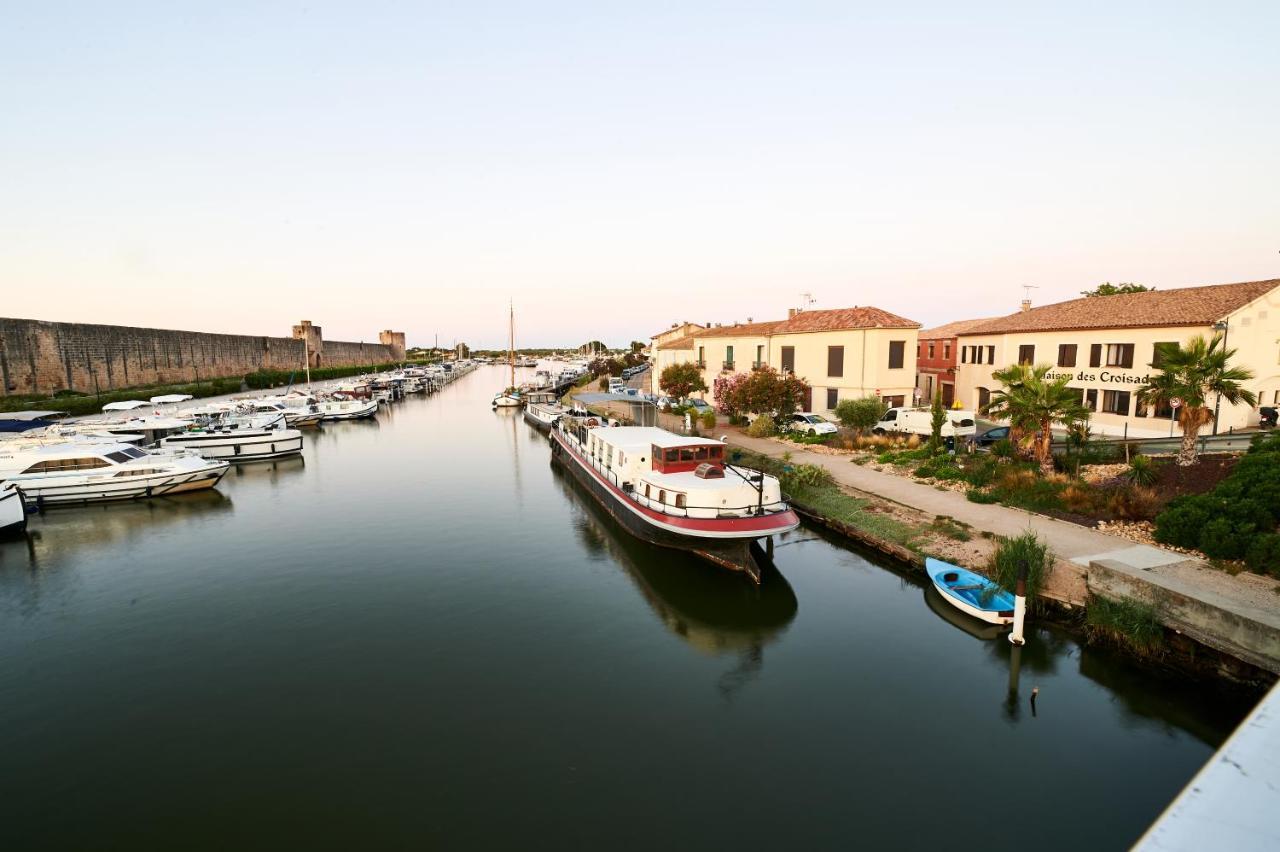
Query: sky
613 168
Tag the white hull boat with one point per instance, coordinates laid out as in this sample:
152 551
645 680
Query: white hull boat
231 444
72 472
348 409
507 400
13 515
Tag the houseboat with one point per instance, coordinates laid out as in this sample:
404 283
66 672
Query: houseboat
676 491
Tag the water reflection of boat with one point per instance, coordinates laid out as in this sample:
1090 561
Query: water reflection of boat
272 468
711 610
95 524
948 613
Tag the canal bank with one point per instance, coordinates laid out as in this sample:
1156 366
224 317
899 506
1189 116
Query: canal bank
420 621
1215 624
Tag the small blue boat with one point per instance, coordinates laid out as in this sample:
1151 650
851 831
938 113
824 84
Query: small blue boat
970 593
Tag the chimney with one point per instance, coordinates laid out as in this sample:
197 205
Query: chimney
1026 305
749 320
791 312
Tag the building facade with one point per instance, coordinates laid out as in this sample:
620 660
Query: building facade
1108 345
937 354
845 353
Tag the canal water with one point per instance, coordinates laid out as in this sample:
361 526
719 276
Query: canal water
422 635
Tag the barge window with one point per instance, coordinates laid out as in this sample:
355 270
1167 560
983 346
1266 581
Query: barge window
679 501
671 455
686 454
716 451
701 454
662 496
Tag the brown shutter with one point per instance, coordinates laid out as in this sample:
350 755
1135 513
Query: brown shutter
1126 355
789 358
1095 355
835 361
896 350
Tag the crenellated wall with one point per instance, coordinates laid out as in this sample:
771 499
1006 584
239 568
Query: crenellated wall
44 357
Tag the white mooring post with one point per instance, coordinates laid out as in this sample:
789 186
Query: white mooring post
1019 606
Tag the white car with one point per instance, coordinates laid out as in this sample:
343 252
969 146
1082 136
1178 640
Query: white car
810 423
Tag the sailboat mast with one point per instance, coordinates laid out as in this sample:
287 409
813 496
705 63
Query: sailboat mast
511 345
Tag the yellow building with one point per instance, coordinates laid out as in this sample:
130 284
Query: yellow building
1108 345
844 353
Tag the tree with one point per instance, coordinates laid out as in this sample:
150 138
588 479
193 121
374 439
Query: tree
860 414
1109 289
681 380
762 391
936 422
1032 403
1191 374
637 345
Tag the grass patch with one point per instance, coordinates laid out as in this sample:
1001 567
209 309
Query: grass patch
951 528
1129 624
1012 553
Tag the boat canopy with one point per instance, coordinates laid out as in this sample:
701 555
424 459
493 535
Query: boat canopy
165 399
29 415
126 405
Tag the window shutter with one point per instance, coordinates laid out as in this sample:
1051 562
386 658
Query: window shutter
1095 355
835 361
1126 359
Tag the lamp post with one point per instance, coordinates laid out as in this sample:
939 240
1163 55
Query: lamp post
1220 325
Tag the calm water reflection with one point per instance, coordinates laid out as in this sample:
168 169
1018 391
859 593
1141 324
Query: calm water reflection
423 635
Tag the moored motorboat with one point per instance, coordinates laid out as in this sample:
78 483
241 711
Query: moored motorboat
13 514
347 409
971 593
73 471
675 491
238 437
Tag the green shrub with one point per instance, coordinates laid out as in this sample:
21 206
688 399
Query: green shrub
809 475
603 384
1142 472
1003 449
708 420
1012 553
1130 624
1181 521
763 427
977 495
860 414
1263 555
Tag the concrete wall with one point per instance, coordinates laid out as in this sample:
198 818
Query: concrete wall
44 357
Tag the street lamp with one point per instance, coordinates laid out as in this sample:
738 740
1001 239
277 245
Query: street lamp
1220 325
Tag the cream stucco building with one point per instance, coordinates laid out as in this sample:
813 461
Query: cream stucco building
842 354
1108 344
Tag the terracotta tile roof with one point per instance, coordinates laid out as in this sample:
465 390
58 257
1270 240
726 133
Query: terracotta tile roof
744 329
685 342
952 329
1152 309
676 327
840 319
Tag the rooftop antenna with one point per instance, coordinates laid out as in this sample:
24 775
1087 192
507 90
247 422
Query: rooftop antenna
1026 295
807 301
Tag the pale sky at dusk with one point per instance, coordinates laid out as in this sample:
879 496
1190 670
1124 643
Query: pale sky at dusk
239 166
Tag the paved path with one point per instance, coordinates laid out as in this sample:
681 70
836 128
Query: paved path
1246 596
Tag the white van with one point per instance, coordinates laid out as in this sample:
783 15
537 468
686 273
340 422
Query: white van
919 421
617 385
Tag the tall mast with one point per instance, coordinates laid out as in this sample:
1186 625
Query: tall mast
511 346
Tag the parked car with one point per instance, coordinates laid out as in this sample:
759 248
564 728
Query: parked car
919 421
810 424
989 437
699 406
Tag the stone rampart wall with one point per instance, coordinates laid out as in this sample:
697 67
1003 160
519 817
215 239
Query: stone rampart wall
44 357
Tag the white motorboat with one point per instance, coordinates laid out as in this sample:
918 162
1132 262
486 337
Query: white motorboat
347 409
74 471
295 416
238 437
13 514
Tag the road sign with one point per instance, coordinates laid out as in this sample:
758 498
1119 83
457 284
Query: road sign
1175 402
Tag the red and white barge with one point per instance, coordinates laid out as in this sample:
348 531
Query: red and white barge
676 491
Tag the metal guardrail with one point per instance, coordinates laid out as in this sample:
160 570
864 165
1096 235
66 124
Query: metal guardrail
1228 442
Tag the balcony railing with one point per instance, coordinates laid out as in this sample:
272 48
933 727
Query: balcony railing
728 365
702 365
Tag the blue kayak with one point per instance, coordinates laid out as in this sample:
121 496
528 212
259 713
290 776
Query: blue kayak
970 593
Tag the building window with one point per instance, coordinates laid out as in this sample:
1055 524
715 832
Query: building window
728 357
964 354
833 396
1115 402
1119 354
835 361
788 359
928 387
1095 355
984 398
1091 399
759 357
1066 354
946 350
1027 354
931 345
991 354
1139 407
1164 411
1160 351
897 353
702 358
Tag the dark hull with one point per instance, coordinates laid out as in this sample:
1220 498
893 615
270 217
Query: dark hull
743 554
535 422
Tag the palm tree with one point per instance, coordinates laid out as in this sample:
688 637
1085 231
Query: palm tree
1191 374
1032 403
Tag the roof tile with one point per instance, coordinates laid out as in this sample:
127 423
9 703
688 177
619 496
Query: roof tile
840 319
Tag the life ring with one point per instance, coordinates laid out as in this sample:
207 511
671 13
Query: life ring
592 423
